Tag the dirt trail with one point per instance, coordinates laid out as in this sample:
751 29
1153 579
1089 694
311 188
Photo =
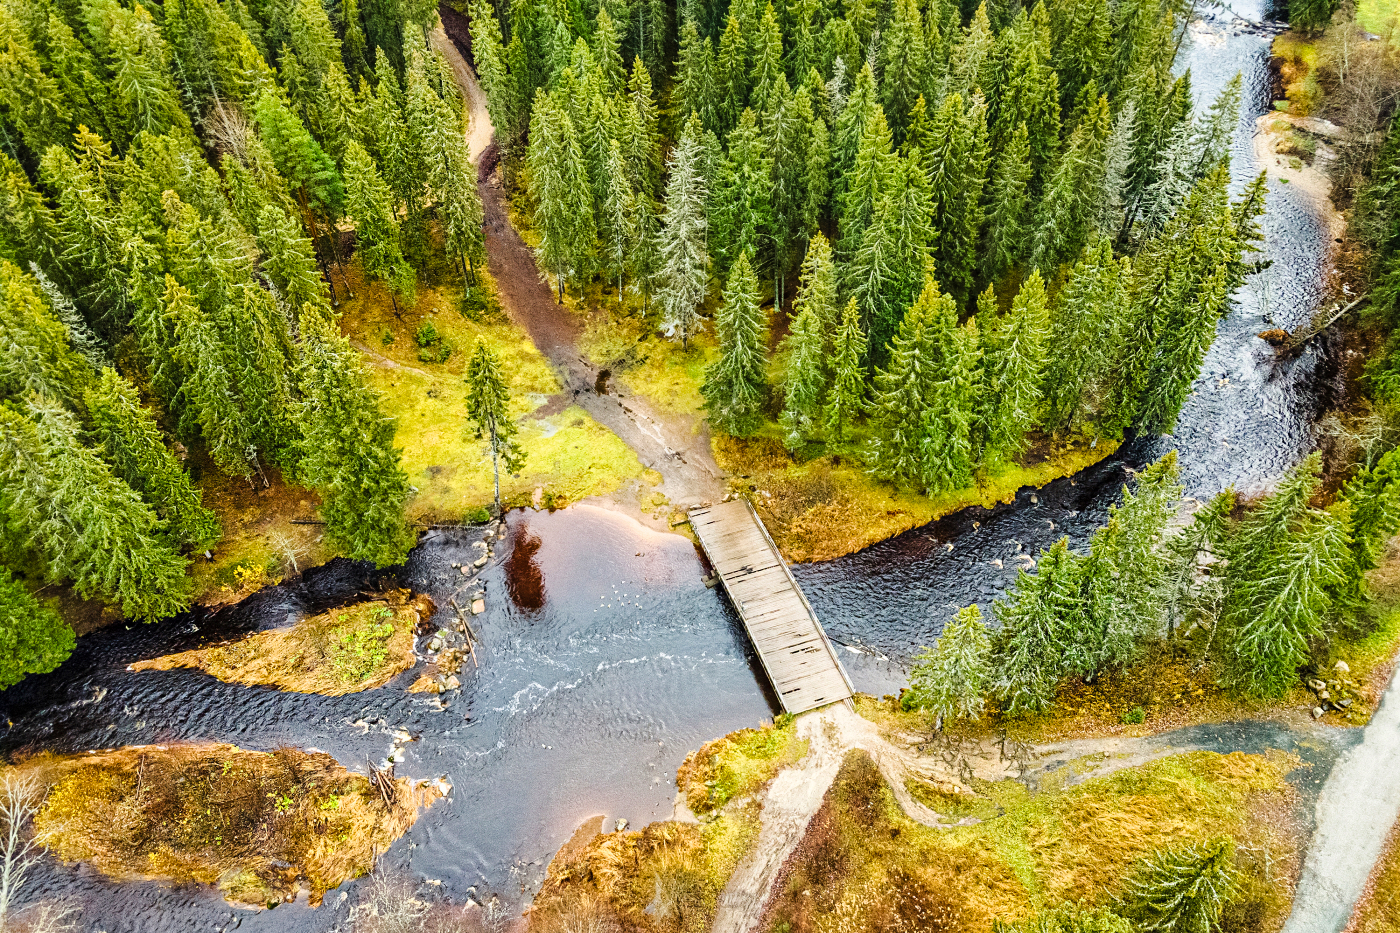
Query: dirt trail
678 449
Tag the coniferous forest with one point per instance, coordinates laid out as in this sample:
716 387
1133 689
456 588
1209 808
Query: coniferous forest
178 180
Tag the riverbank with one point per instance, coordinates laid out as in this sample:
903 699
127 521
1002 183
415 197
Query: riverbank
264 828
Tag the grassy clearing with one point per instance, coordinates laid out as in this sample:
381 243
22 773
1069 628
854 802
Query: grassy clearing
665 878
260 826
568 455
830 506
345 650
864 866
1379 18
739 764
658 369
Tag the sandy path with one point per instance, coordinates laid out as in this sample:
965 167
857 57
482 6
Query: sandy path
678 449
1359 804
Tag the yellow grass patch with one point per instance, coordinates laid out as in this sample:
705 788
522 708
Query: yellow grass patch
259 825
739 764
830 506
345 650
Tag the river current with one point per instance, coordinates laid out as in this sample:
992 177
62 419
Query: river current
604 658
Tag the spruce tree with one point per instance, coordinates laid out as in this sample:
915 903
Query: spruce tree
348 452
562 191
78 522
1030 94
808 346
33 638
134 446
35 355
1004 236
1182 890
946 447
957 169
1083 336
617 227
904 62
369 205
950 679
1374 500
683 239
846 400
1038 621
743 214
1014 365
735 384
289 260
488 413
693 89
904 391
1066 214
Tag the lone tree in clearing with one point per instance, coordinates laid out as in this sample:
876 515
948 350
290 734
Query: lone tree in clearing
1182 890
488 398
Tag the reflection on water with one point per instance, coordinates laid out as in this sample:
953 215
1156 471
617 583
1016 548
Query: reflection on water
524 581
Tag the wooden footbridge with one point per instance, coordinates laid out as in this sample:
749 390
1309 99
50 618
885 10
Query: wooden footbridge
794 651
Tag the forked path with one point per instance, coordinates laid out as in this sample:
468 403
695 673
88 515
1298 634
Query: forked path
677 448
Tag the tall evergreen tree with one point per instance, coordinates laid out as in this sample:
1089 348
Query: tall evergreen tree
369 204
488 413
951 679
1003 237
808 345
1037 622
35 355
735 384
560 184
1014 364
135 448
743 214
684 240
846 401
957 167
63 511
348 452
34 639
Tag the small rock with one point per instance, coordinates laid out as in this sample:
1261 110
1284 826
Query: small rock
1317 685
452 683
466 570
1035 500
1344 704
1324 695
478 606
435 644
1317 712
621 825
1341 667
480 544
480 561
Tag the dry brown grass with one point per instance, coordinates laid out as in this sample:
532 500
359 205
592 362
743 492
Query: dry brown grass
259 825
665 878
345 650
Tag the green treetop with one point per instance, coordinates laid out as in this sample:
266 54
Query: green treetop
735 385
488 413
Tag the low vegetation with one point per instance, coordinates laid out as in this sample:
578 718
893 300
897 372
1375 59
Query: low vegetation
345 650
865 866
1378 911
261 826
739 764
666 877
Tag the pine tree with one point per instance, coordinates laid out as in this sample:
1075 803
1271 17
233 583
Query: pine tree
951 679
134 446
904 62
808 345
904 391
693 90
369 204
735 384
1037 623
1014 365
1066 212
1183 890
946 447
62 504
33 638
767 54
846 401
683 241
617 227
562 191
348 452
1083 336
488 413
289 260
1374 500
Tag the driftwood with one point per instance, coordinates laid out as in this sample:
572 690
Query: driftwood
383 781
1296 340
467 630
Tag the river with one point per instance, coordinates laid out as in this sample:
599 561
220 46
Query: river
605 659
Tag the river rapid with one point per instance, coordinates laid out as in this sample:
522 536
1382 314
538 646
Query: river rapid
604 658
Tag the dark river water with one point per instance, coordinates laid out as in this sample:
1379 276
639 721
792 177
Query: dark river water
604 657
